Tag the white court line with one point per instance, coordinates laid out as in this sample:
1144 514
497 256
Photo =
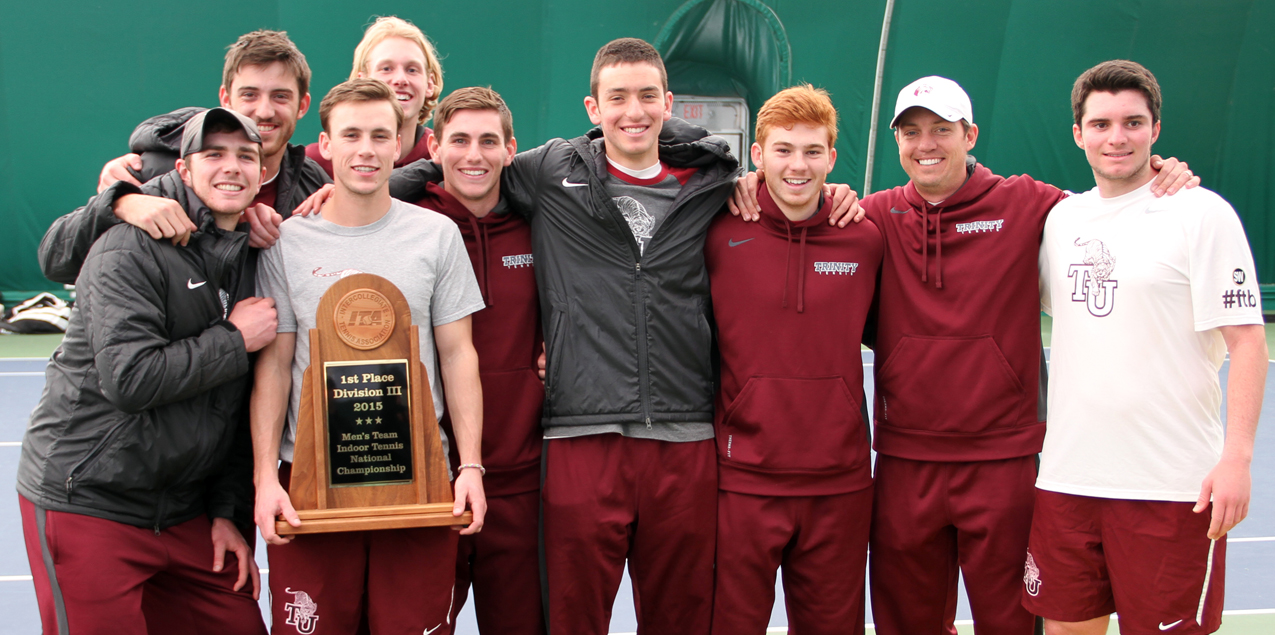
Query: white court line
23 373
10 444
1259 539
778 629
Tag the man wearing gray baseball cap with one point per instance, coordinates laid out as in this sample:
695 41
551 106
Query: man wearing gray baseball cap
138 459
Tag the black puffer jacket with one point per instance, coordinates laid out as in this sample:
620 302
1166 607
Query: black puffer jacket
158 141
627 332
143 418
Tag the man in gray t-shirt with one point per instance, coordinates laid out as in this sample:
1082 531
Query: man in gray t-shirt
406 575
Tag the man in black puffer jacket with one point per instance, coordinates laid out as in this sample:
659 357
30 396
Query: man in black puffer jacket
618 221
139 450
265 79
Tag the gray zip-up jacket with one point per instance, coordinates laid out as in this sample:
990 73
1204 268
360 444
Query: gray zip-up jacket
143 417
627 332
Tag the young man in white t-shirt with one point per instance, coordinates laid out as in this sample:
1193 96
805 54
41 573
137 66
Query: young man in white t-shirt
394 580
1148 295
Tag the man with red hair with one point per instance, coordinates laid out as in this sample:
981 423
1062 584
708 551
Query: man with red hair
795 476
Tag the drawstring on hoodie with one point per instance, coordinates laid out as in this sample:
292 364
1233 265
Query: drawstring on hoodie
481 232
938 245
801 274
787 263
801 269
938 248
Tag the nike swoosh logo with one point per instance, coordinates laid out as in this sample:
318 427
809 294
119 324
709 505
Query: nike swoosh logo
431 630
736 244
565 183
1165 627
898 211
191 284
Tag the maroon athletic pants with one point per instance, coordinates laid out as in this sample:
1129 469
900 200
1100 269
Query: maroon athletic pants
502 563
99 576
821 543
319 583
607 498
931 519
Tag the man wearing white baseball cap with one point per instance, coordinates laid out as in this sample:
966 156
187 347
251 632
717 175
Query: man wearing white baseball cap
939 95
960 408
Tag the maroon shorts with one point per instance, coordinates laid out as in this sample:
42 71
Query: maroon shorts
397 581
609 498
821 543
1150 561
99 576
502 563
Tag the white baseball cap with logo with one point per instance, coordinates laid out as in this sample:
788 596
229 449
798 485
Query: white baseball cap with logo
939 95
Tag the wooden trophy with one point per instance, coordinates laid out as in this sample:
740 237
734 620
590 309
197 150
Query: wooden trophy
368 454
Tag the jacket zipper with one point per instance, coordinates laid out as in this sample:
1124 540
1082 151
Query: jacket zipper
639 299
159 510
92 456
644 366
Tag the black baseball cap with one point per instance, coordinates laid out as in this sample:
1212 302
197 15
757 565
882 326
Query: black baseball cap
196 128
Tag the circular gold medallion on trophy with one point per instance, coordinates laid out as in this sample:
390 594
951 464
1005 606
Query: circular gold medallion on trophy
364 319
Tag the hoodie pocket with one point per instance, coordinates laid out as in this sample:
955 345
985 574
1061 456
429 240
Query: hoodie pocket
948 384
797 424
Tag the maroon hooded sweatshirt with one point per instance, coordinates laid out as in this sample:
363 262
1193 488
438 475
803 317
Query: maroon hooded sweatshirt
508 339
958 353
790 301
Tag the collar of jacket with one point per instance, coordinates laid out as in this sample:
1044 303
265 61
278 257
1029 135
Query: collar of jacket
682 144
198 212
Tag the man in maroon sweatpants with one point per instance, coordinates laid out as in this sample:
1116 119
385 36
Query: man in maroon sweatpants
473 142
795 476
960 408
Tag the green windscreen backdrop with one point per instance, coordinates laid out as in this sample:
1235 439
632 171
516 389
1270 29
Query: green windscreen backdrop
76 77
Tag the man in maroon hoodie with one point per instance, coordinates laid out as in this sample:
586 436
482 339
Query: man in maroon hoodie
473 141
960 408
795 476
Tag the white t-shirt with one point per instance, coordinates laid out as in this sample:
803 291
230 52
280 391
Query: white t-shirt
1137 287
418 250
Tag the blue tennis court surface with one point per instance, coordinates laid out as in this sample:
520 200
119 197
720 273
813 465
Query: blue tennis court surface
1250 569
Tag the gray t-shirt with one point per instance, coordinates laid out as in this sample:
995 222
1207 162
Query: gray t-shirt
644 202
420 251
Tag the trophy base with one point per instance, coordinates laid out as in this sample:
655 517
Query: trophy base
322 521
